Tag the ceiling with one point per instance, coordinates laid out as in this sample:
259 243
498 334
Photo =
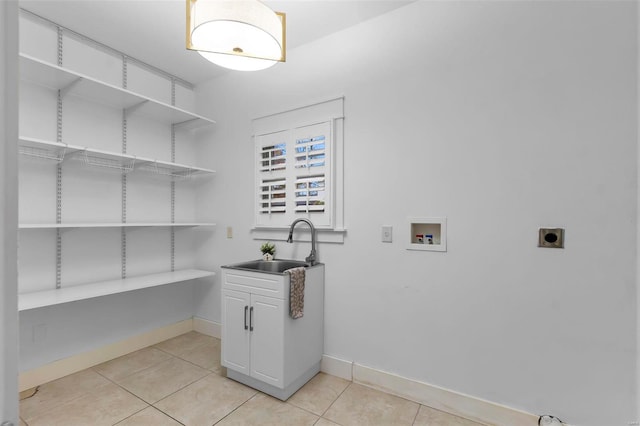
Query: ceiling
153 31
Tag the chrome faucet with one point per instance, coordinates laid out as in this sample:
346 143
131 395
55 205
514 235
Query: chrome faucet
311 259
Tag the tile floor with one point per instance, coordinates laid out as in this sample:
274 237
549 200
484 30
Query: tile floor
180 382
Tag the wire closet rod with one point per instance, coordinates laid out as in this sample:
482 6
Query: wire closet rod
111 50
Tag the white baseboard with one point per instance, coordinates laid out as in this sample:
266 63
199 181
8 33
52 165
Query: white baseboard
210 328
79 362
336 367
455 403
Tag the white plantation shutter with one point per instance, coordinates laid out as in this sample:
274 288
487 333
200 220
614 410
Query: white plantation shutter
310 151
296 166
273 158
272 181
311 187
310 194
293 169
273 196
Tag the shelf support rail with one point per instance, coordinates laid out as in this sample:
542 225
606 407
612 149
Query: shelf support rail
173 91
173 188
123 230
59 167
58 230
59 30
125 70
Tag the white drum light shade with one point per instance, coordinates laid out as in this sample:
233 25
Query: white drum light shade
241 35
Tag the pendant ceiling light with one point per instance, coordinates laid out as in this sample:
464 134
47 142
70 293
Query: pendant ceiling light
241 35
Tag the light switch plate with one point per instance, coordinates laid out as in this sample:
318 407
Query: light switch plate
387 234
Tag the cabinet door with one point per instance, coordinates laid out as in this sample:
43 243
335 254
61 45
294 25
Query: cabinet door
267 340
235 331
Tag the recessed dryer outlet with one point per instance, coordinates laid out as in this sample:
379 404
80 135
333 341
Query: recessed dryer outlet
551 237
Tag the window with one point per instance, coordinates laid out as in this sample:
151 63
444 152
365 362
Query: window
298 166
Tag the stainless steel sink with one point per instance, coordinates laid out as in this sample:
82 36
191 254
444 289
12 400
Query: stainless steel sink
271 266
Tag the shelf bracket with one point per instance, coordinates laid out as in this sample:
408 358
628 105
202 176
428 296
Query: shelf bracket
185 123
72 153
64 90
139 163
133 108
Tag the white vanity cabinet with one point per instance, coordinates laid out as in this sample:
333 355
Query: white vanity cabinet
262 346
254 349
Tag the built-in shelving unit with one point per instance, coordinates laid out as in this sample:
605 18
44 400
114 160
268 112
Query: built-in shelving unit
126 163
41 299
111 225
72 83
149 118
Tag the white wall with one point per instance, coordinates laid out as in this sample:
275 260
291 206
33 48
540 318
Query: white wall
91 195
8 212
638 233
502 117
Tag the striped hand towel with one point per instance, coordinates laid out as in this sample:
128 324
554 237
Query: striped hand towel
296 292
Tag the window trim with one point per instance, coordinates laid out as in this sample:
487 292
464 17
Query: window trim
330 110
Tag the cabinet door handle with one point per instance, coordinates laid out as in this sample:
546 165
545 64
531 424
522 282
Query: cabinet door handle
251 319
246 308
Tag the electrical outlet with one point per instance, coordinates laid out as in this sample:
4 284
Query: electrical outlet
387 234
229 232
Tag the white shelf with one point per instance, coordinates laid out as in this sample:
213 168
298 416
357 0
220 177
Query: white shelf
76 84
111 225
41 299
94 157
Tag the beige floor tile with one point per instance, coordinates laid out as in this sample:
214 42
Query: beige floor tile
360 406
206 401
163 379
22 423
149 417
431 417
184 343
129 364
319 393
325 422
103 408
205 355
61 391
263 410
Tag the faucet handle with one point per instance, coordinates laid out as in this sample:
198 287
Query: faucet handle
311 259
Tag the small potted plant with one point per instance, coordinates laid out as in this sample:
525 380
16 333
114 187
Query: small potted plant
268 250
